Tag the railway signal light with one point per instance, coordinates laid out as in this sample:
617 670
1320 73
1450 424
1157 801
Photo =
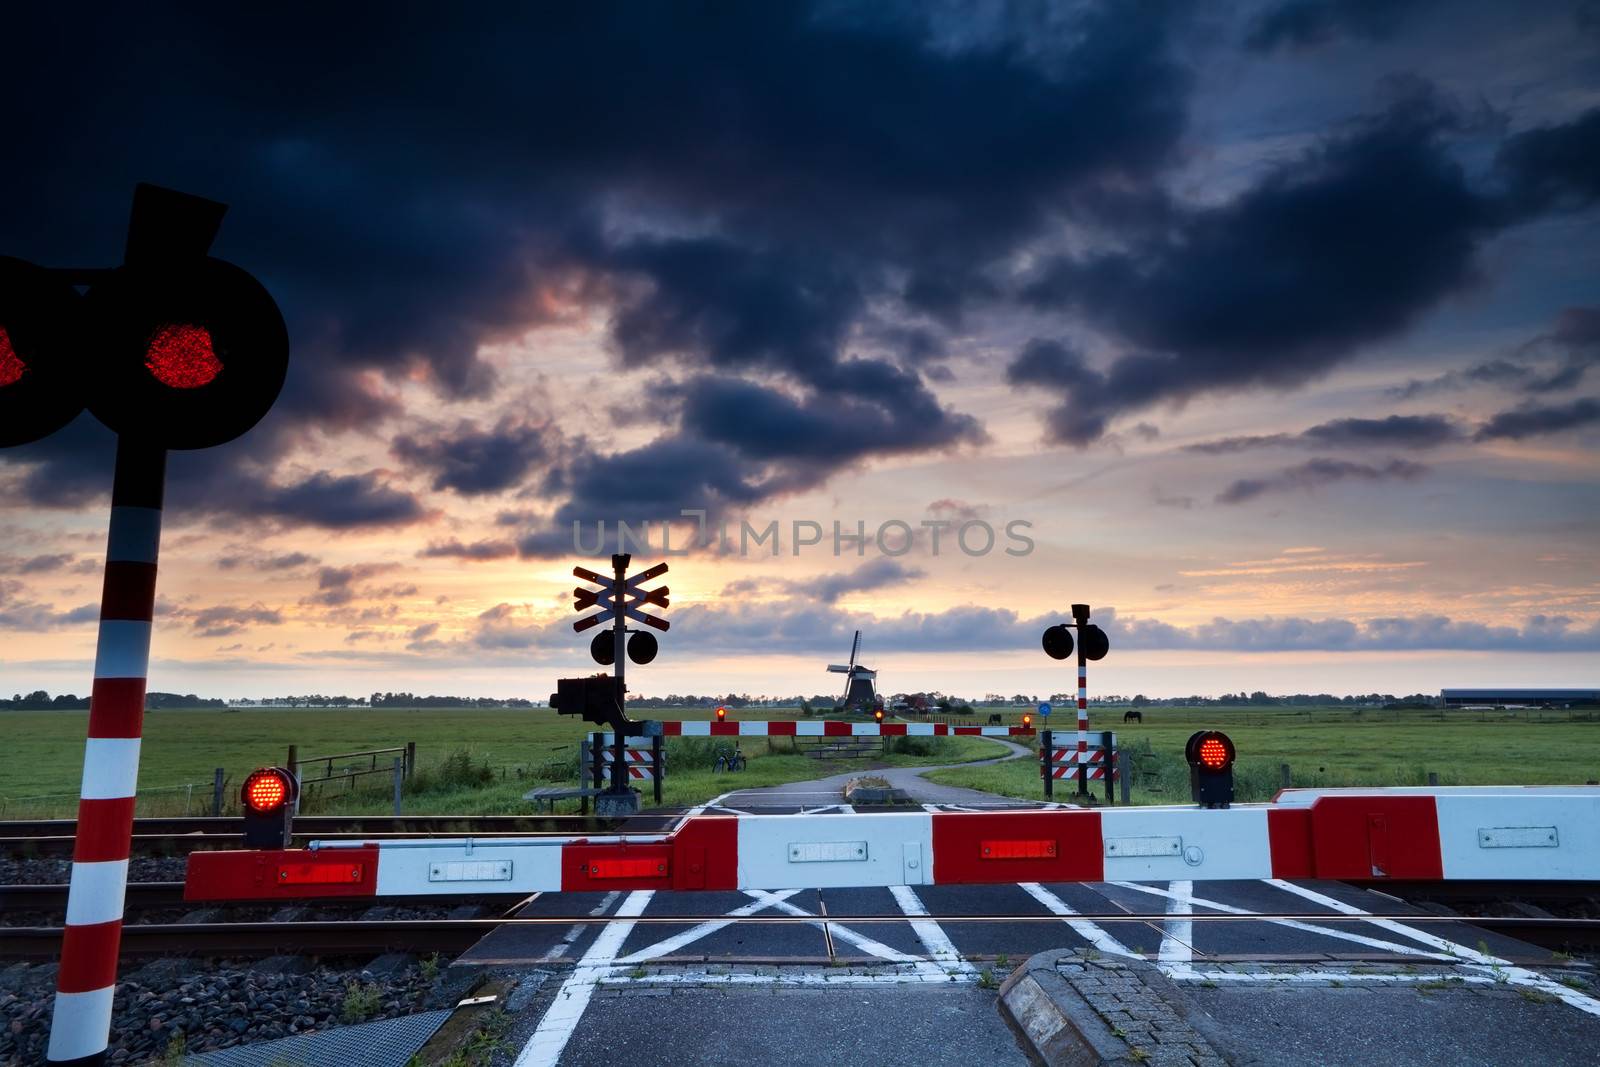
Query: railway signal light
642 647
1058 641
186 356
269 797
1210 755
877 714
1094 642
41 359
722 714
1027 722
597 698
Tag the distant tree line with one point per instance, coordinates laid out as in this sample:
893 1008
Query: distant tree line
39 700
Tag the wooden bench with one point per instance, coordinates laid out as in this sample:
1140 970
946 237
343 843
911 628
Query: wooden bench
548 795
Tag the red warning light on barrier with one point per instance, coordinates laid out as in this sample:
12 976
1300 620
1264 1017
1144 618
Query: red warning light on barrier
1213 754
266 790
877 715
1027 722
722 713
182 356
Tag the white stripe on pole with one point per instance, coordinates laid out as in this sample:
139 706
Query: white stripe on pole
97 890
123 650
80 1024
135 535
110 768
696 729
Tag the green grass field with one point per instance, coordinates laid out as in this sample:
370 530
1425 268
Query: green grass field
484 760
499 754
1330 747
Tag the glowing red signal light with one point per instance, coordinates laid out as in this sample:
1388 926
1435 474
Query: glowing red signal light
266 790
878 714
1027 721
1213 754
11 365
722 713
182 356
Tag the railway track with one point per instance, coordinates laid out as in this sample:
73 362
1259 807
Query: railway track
168 837
356 937
144 895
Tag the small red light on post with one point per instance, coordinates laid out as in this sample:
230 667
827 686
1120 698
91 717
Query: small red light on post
1027 722
1210 757
877 714
722 713
1213 754
268 796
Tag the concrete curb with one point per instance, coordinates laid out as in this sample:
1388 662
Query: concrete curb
1055 1026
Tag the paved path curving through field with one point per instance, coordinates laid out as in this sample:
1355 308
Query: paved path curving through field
830 790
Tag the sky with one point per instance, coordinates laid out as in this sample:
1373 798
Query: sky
1269 330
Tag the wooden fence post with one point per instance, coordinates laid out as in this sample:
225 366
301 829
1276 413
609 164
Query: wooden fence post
216 794
399 777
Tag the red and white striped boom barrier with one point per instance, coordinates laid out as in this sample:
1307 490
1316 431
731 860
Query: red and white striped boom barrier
833 728
1529 834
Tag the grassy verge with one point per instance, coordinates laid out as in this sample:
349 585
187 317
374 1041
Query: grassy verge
1332 747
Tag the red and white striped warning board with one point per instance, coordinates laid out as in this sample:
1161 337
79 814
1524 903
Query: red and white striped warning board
1064 764
1504 833
638 762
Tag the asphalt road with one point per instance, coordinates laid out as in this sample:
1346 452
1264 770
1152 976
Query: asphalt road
643 977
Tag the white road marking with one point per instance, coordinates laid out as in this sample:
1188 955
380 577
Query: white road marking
1188 972
677 941
1293 924
559 949
1497 968
844 933
930 933
555 1029
1177 935
1082 927
903 977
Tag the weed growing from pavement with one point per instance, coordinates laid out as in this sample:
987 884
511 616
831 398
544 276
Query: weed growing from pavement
1002 960
175 1052
986 979
1572 981
638 972
429 967
1536 996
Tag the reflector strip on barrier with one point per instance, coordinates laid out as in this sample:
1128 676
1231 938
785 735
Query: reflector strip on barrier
1360 837
830 728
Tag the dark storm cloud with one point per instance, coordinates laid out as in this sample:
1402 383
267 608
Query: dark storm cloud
344 502
1554 167
745 187
1393 431
1534 421
1308 23
1346 244
471 460
1316 473
1574 340
17 612
42 564
476 550
875 574
282 562
225 620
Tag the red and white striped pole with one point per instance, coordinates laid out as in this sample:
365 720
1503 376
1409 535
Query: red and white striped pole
1080 615
81 1026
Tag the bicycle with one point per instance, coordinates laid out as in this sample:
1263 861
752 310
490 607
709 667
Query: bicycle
726 761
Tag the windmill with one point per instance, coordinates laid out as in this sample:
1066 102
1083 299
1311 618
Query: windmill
858 688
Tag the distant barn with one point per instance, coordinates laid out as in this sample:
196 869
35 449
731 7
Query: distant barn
1519 698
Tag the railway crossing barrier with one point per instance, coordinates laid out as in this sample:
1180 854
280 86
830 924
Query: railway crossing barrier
1541 833
1094 762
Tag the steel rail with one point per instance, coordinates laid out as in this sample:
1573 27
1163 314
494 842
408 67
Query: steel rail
170 894
16 828
450 935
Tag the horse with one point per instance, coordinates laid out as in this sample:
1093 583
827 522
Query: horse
1133 716
994 720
